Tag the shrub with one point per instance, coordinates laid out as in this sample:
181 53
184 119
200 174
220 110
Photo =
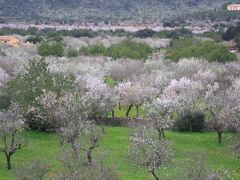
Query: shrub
72 52
187 48
5 101
144 33
190 122
129 49
51 49
125 49
35 169
34 39
54 36
27 87
237 40
95 49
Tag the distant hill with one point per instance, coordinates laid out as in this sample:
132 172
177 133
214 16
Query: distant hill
67 11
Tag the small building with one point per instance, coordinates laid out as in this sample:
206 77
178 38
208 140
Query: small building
233 7
10 40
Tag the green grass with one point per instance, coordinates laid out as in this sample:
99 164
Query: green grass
133 113
46 147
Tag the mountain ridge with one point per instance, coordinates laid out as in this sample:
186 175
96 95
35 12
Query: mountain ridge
68 11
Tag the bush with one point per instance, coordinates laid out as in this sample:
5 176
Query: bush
96 49
144 33
34 39
187 48
174 34
190 122
51 49
72 53
125 49
27 87
5 101
35 169
237 40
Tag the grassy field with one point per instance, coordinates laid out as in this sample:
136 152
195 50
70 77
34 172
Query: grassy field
46 147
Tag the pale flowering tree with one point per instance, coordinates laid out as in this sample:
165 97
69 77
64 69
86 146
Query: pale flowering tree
159 111
188 67
11 123
70 114
124 69
223 106
4 77
130 94
234 96
98 97
149 152
188 96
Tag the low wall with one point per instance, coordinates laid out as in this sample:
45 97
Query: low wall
125 122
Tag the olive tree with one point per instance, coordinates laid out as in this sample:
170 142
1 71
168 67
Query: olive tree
11 123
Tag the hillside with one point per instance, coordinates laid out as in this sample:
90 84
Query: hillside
67 11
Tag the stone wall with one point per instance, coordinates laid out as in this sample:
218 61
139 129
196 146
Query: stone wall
125 122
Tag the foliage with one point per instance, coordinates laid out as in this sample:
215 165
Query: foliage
108 12
29 85
144 33
5 101
174 34
129 49
26 87
72 53
186 48
125 49
35 169
196 119
216 36
51 49
237 40
34 39
96 49
231 33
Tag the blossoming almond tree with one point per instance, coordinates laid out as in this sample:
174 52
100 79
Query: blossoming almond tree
223 106
11 123
159 111
70 115
187 95
130 95
149 152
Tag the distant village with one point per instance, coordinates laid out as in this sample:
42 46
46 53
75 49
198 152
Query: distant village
233 7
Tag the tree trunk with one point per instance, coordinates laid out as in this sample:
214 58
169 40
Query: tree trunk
159 133
8 157
190 125
154 174
137 110
163 134
119 106
128 110
89 156
113 114
219 137
74 149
